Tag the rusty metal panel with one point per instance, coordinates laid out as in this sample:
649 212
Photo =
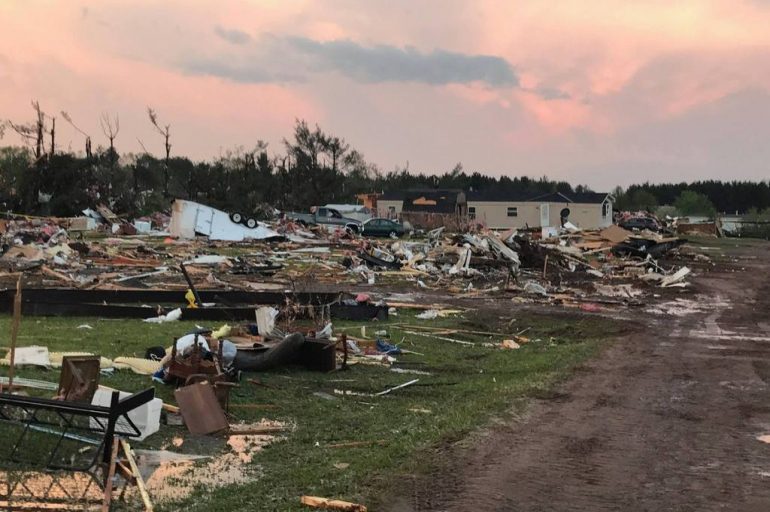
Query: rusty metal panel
200 409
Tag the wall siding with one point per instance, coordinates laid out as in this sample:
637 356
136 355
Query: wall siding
493 214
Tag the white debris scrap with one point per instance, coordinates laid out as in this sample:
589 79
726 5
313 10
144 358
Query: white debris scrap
172 316
675 278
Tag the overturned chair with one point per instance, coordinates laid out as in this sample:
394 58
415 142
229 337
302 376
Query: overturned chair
61 455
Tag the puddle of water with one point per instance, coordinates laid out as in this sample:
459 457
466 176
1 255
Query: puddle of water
684 307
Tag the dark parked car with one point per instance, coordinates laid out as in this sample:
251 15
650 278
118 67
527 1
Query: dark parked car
382 227
640 223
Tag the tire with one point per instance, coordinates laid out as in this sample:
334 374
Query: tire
393 234
236 217
251 223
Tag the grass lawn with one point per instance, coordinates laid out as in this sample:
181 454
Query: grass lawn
467 387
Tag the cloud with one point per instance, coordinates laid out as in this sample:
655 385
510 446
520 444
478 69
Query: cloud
232 35
248 74
549 93
384 63
295 59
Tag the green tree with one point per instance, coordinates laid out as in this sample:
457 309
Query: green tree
690 202
15 177
641 200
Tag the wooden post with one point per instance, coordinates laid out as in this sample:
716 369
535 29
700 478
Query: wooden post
139 481
110 475
14 332
545 265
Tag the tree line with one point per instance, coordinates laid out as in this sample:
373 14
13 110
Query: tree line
311 167
703 197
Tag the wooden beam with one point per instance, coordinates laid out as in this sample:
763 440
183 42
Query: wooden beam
138 476
325 503
14 333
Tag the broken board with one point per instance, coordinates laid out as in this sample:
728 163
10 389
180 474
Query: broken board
200 409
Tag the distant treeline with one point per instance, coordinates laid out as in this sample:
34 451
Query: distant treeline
311 168
726 197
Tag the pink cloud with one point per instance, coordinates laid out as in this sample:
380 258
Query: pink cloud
590 74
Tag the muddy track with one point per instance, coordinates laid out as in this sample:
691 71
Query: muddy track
667 419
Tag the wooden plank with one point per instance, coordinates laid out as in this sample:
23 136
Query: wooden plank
328 504
356 444
137 476
14 332
110 474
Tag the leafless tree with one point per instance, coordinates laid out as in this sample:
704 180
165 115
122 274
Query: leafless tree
32 133
165 131
53 135
68 118
110 128
142 146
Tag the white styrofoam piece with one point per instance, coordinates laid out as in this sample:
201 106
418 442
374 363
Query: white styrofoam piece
146 418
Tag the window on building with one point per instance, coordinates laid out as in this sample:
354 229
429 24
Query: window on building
513 211
606 209
391 212
471 212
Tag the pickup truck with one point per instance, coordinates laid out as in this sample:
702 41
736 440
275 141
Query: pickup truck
327 217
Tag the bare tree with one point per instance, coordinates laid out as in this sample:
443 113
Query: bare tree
110 128
53 135
165 131
142 146
68 118
32 133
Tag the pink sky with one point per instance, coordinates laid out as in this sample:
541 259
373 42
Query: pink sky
601 92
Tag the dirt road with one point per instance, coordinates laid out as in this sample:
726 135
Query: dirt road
666 420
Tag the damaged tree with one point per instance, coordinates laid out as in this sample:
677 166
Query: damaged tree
165 131
32 133
68 118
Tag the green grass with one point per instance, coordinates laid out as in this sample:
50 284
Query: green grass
467 388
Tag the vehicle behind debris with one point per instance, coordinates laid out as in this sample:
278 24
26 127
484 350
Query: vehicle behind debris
382 227
328 217
640 223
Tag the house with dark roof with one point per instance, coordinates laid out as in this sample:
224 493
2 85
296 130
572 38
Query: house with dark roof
425 208
500 210
390 204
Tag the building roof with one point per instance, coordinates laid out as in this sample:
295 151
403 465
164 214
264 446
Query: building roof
432 200
495 195
554 197
589 197
551 197
392 195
